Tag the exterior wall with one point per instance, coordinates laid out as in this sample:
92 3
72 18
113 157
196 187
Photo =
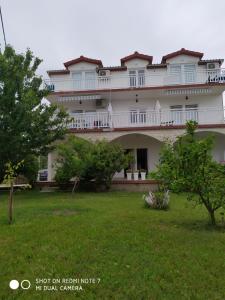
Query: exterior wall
182 59
150 139
136 63
119 79
137 141
82 66
148 103
159 134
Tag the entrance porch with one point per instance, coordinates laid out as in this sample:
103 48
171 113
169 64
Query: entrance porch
145 150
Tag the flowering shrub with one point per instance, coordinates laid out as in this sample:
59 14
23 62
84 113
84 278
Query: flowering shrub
157 200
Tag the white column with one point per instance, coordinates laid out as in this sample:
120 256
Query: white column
50 167
135 158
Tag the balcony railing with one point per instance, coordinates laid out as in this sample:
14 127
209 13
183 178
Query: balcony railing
149 118
136 81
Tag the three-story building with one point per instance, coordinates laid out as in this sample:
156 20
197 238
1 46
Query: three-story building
139 103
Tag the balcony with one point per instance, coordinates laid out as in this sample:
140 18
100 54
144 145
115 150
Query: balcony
150 118
148 79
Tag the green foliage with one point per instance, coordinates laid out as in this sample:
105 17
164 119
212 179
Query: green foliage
87 161
157 200
73 159
43 162
27 126
30 168
106 159
187 165
11 171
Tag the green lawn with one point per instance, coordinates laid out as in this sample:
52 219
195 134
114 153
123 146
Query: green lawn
137 253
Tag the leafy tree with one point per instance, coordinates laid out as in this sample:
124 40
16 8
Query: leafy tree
188 165
106 160
10 174
73 157
96 162
27 126
30 168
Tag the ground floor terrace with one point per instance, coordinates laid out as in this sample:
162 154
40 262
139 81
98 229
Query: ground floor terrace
145 144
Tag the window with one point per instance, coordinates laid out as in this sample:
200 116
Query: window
191 112
132 75
182 73
176 114
78 111
141 77
77 80
175 74
137 78
142 116
90 80
181 114
189 73
133 116
138 116
84 80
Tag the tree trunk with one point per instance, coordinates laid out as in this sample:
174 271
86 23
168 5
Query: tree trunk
11 202
212 216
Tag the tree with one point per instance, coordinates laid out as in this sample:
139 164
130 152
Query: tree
27 126
188 165
81 160
105 160
10 174
29 169
73 157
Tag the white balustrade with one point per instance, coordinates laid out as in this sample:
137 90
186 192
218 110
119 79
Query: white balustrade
131 81
150 118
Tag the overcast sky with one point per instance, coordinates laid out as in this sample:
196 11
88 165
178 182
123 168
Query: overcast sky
57 31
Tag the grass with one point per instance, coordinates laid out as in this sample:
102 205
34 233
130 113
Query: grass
137 253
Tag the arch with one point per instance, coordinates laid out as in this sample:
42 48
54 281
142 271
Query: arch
145 148
135 134
218 151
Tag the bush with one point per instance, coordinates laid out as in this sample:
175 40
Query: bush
29 169
90 162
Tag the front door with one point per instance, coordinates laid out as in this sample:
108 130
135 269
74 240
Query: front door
142 159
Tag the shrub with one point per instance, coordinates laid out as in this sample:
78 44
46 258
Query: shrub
30 168
85 161
157 200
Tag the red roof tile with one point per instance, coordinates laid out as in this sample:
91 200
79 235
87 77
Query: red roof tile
83 59
136 55
180 52
58 72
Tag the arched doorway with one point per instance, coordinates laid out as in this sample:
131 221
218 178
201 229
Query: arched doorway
145 149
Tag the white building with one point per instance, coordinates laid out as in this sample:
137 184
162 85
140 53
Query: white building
140 103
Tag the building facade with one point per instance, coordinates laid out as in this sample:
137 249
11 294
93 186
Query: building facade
140 104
